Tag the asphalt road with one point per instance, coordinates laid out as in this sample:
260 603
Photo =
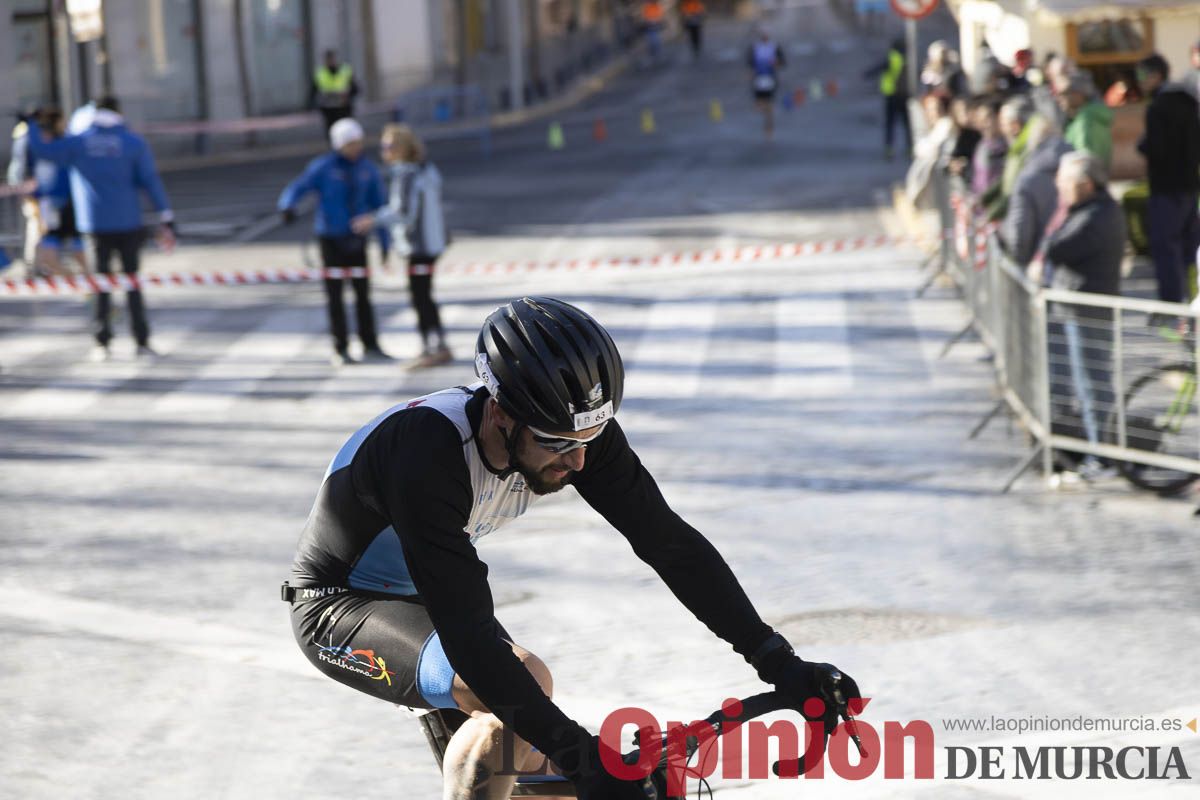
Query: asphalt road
795 411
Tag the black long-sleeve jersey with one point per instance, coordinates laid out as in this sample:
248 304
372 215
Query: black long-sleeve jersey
407 497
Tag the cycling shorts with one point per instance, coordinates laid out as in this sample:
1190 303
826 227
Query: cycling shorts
381 645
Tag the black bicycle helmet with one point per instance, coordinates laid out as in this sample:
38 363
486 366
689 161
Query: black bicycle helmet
550 365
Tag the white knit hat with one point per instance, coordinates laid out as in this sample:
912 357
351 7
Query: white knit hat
345 131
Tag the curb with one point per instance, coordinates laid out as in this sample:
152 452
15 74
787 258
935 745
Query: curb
583 89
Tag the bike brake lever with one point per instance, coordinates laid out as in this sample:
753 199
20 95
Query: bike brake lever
843 710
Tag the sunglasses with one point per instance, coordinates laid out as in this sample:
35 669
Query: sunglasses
561 444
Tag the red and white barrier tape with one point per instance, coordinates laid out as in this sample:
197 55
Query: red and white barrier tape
18 189
746 254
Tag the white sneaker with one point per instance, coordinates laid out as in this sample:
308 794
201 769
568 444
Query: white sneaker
100 353
145 351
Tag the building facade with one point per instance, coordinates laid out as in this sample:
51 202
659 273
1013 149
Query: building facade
221 60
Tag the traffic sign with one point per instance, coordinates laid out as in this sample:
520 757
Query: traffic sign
913 9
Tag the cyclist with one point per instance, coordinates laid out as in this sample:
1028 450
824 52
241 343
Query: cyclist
765 59
390 597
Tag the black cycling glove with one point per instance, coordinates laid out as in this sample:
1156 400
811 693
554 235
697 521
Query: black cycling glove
800 680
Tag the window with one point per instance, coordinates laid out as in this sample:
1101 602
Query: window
1110 41
277 43
168 60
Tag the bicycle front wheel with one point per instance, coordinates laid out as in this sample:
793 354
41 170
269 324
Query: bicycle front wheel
1160 417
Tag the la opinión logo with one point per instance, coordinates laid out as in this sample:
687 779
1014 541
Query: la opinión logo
754 739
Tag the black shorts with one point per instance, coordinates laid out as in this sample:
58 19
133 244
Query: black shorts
764 86
66 224
387 648
344 251
420 264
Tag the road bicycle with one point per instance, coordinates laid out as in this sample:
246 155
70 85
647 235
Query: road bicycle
440 725
1161 417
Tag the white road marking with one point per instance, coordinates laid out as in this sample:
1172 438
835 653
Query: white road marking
668 359
217 387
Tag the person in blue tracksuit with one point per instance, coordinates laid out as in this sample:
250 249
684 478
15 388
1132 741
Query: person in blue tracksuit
348 185
110 168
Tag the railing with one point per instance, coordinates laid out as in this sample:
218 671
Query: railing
1109 377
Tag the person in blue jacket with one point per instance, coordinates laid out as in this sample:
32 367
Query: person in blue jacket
111 167
348 185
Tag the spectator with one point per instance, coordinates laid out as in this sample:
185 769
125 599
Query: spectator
967 135
1089 121
1082 252
333 90
987 70
693 12
942 74
1171 145
1018 124
894 87
348 185
59 231
418 228
1191 79
1034 198
1018 79
931 154
110 167
987 165
1045 97
21 170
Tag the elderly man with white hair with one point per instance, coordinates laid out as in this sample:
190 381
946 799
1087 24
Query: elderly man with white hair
1082 252
348 185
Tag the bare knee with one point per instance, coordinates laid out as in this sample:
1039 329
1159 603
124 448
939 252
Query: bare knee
467 701
537 668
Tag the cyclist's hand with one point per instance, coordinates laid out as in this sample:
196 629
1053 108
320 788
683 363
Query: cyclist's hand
800 680
287 216
593 782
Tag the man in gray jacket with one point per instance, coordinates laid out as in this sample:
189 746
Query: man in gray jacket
1082 252
1034 199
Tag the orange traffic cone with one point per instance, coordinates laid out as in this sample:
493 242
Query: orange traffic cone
798 97
599 130
831 88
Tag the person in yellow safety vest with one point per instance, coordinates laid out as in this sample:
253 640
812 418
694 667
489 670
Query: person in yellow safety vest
333 90
652 25
893 85
693 20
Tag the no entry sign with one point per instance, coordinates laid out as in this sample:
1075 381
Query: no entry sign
913 9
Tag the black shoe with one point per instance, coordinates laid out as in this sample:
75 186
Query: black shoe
340 358
375 355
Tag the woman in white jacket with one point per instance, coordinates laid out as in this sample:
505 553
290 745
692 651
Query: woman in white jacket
418 228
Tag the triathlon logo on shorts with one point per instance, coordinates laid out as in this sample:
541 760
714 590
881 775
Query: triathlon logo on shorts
364 662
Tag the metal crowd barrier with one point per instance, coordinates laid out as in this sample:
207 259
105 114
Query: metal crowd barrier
13 225
1110 377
